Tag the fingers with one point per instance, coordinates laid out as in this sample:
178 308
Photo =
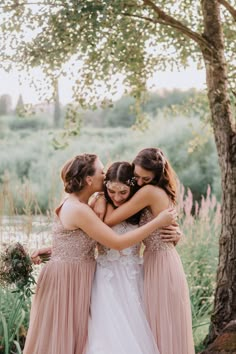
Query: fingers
36 260
171 230
168 232
35 254
170 236
168 239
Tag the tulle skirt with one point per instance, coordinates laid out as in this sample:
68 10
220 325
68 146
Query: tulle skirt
118 324
167 302
60 309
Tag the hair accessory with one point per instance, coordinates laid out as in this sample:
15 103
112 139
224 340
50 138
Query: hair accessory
120 185
131 182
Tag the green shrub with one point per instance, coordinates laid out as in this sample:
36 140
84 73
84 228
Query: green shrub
31 157
28 123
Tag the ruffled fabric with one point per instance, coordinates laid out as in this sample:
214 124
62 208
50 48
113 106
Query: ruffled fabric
118 324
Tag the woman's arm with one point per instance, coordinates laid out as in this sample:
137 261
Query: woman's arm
109 210
146 196
84 218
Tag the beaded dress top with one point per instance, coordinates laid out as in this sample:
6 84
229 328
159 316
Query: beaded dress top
71 245
153 242
126 256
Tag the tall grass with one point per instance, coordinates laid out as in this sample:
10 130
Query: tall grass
199 253
198 250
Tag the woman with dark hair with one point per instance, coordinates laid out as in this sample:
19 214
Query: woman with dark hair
118 323
166 293
60 310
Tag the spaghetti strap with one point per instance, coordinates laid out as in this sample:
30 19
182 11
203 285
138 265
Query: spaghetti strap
57 209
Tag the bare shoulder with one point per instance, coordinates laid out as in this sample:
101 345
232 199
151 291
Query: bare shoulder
160 192
146 190
160 199
157 198
152 191
72 213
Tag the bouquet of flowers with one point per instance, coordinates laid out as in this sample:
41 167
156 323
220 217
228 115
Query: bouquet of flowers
16 270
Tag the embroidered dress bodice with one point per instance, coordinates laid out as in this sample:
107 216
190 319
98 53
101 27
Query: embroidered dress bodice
71 245
127 256
153 242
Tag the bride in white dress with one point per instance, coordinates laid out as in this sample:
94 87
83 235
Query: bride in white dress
117 322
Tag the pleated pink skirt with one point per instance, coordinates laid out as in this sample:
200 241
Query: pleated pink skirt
60 309
167 302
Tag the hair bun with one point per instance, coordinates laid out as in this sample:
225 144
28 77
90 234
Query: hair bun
75 171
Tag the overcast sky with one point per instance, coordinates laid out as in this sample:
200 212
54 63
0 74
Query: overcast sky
185 79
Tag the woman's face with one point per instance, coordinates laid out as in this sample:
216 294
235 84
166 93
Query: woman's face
142 176
118 192
98 177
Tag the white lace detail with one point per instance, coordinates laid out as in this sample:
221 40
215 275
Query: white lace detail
126 258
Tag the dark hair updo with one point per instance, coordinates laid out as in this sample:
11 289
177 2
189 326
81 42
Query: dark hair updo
122 172
75 171
154 160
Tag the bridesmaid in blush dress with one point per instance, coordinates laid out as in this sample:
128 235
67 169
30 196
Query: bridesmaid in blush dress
60 309
166 293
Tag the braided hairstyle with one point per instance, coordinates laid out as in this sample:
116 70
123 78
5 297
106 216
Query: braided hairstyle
75 171
153 159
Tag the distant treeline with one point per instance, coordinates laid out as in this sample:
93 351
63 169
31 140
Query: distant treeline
121 113
30 164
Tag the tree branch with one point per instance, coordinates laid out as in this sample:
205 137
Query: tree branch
229 7
168 20
145 18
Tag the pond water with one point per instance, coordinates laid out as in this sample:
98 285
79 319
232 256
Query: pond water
31 232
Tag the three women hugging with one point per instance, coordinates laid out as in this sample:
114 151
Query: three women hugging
116 302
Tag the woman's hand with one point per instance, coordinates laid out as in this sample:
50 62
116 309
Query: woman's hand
171 233
41 255
166 217
99 205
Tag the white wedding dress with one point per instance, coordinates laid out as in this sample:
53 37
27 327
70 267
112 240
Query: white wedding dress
117 323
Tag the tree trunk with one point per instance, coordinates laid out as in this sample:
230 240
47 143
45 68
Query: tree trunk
57 107
225 136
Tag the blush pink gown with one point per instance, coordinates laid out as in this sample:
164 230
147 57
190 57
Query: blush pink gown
166 295
60 309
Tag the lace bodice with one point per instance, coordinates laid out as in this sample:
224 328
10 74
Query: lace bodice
71 245
127 256
154 241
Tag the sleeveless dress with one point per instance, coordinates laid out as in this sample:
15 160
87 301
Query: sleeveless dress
166 294
60 309
118 323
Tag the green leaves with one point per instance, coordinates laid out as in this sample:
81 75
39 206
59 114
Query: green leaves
110 37
13 315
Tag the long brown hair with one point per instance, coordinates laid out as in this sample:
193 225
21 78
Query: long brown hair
154 160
